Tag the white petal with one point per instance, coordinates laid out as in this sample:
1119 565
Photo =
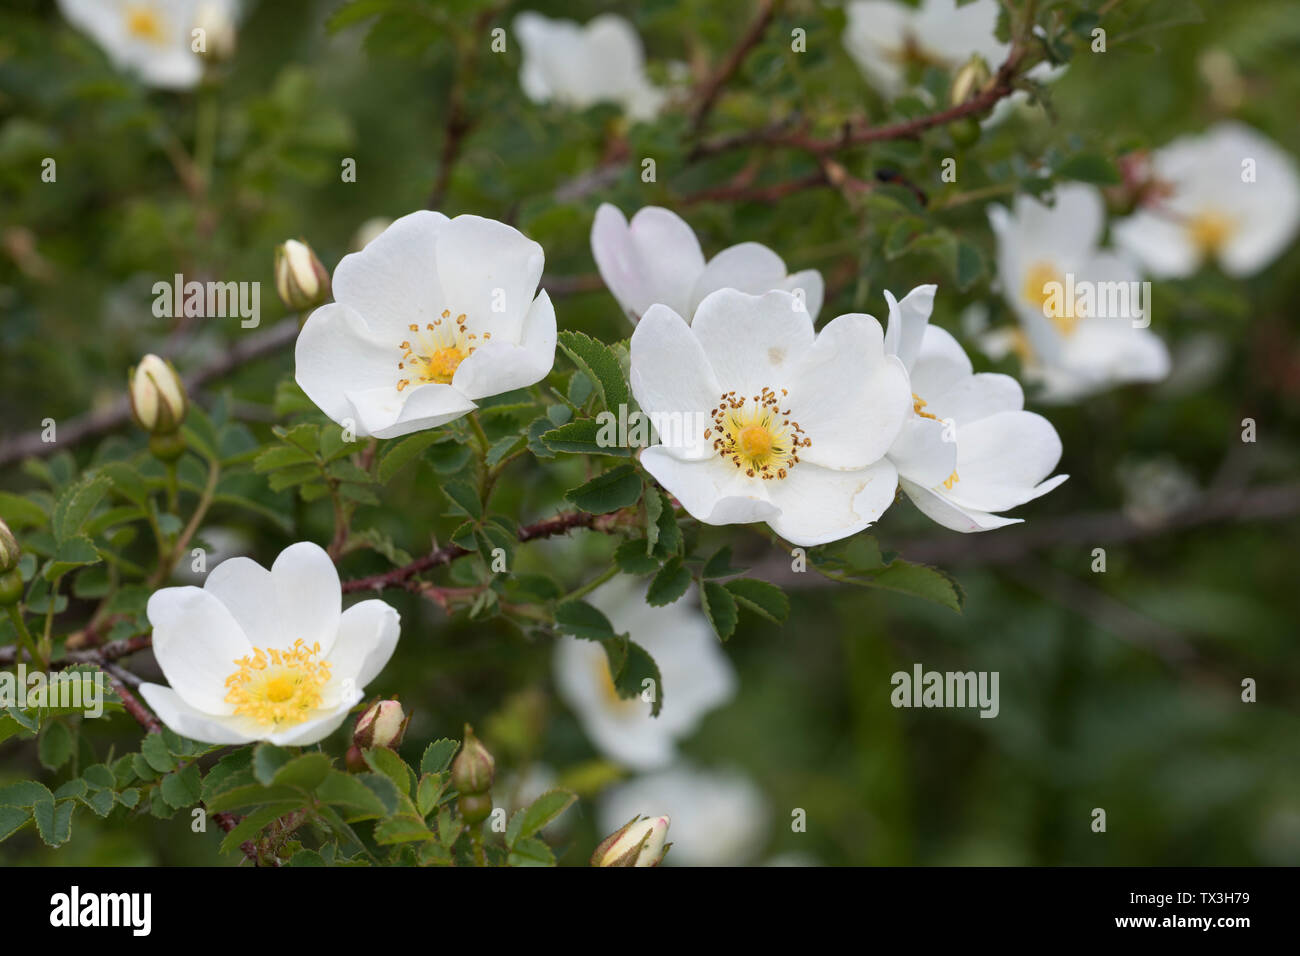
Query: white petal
387 413
367 637
874 30
748 267
190 722
1159 242
978 396
489 271
1002 459
711 490
908 321
819 505
940 509
654 260
196 642
753 341
393 282
498 366
672 380
336 353
848 395
920 453
810 284
941 364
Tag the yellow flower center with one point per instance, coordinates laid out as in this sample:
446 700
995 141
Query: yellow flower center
144 23
755 435
1038 290
276 686
1209 230
434 353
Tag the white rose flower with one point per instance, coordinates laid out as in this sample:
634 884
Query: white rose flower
151 38
579 66
431 315
761 419
1229 194
719 818
1071 353
265 655
697 676
969 449
657 259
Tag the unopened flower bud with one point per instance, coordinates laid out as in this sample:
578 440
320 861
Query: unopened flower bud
381 725
214 18
971 80
9 550
300 278
473 769
157 395
637 843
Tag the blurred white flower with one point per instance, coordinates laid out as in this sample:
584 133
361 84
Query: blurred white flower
1155 490
1068 351
265 655
368 231
579 66
1229 194
154 38
219 544
720 818
697 676
762 419
970 448
656 259
433 314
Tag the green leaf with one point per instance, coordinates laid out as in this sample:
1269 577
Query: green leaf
181 788
669 584
54 748
403 828
154 750
632 558
1089 168
382 760
365 796
970 266
719 608
267 760
538 814
581 437
305 771
438 755
75 552
599 363
463 498
617 488
281 456
531 852
12 819
719 565
762 598
76 504
668 534
53 821
19 512
24 793
638 668
429 790
921 581
580 619
255 822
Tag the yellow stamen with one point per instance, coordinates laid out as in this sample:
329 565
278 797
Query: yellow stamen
280 687
756 436
1036 290
919 403
433 353
1209 230
951 480
144 23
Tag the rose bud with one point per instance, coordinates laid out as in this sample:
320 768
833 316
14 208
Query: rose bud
381 725
637 843
473 769
214 18
300 278
157 396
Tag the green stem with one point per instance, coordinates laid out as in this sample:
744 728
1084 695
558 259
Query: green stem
24 635
591 585
173 489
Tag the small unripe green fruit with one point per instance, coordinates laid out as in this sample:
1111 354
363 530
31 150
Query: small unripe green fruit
965 131
474 807
167 447
11 587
